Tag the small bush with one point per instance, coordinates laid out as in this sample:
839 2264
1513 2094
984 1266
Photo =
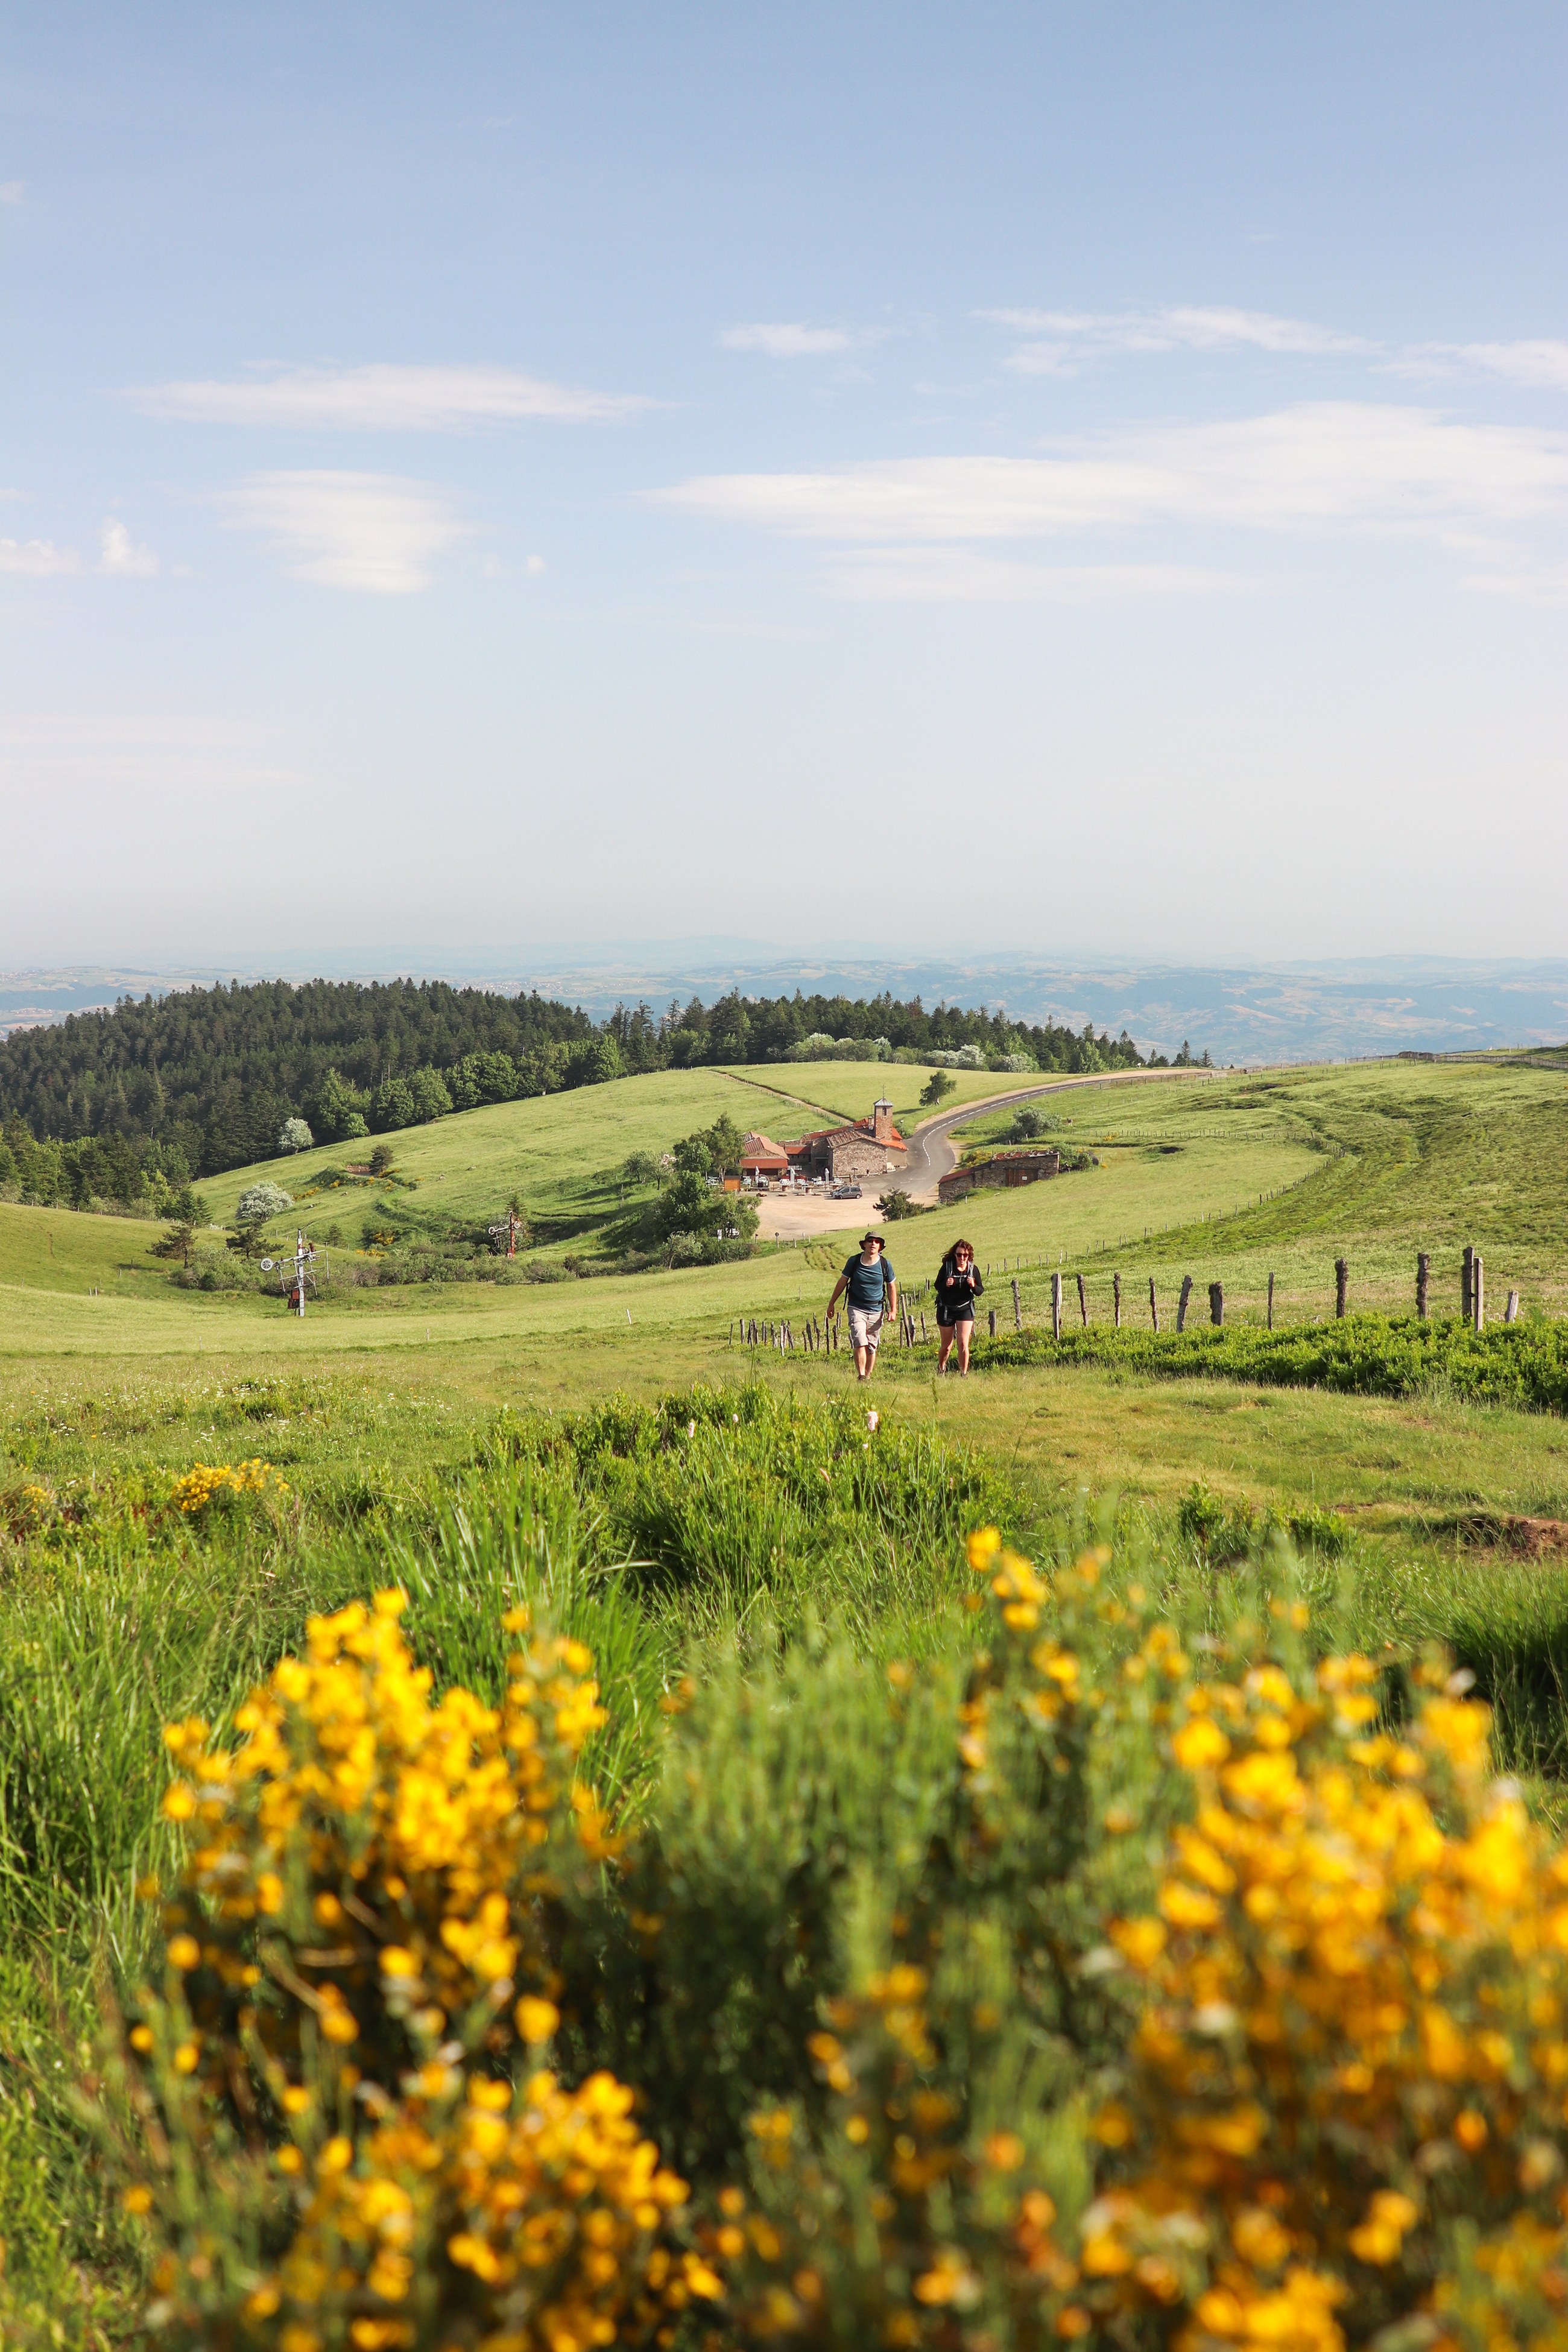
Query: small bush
896 1205
356 2133
259 1202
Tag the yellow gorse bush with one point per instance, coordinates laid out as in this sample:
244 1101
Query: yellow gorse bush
359 2143
1227 2012
205 1482
1346 2104
1342 2116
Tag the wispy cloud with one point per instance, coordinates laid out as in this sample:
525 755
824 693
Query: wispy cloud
1072 338
1317 467
374 533
1062 342
1539 363
957 575
120 559
36 558
380 399
12 191
795 339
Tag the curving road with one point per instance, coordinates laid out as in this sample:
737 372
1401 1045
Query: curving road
932 1153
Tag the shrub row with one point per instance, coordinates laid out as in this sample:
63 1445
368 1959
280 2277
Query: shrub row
1371 1355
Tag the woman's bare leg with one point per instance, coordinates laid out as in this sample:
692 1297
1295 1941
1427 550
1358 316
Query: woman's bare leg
965 1333
944 1347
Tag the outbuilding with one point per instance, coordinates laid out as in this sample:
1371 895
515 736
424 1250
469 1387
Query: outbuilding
1003 1170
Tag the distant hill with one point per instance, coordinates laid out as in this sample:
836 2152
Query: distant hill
209 1075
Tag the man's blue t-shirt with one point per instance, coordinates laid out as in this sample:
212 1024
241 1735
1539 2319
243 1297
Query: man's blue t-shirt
868 1284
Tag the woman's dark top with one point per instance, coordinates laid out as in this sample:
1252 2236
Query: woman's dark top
956 1294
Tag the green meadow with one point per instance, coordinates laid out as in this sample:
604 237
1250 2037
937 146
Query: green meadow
698 1509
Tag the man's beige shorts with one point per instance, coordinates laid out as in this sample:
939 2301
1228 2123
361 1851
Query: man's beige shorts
865 1326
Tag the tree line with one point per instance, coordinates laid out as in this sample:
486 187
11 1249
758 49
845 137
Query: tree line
153 1093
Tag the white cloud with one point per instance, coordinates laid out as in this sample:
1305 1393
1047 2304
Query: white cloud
1319 465
790 340
120 559
534 565
1073 337
12 191
380 399
376 533
35 558
1541 362
953 575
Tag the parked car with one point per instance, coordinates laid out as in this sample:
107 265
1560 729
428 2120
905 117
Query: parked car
844 1193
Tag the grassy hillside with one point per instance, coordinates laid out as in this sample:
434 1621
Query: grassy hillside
572 1143
698 1513
1227 1182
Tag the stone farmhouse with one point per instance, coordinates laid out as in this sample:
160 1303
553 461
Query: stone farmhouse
1004 1167
866 1146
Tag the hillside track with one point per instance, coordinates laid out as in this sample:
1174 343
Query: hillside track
932 1153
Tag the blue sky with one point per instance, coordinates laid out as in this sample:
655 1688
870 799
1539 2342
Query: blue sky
1064 477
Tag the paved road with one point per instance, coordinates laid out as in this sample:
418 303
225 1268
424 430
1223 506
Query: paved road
932 1152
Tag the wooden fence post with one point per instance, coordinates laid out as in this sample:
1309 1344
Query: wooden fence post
1341 1285
1511 1312
1272 1302
1478 1290
1082 1303
1017 1308
1116 1299
1467 1292
1182 1302
1153 1308
1216 1305
993 1322
1056 1307
1423 1282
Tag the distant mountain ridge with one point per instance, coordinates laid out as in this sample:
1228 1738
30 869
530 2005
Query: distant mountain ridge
1301 1011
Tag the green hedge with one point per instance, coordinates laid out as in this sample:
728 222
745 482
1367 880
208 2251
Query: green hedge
1369 1355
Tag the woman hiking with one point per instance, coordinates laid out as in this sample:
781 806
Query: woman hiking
958 1286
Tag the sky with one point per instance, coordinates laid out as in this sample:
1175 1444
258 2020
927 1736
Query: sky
1085 479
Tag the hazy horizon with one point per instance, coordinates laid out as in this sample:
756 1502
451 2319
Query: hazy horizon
1331 1009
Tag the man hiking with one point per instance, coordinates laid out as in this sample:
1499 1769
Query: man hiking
873 1289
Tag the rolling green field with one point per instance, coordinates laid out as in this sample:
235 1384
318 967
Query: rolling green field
721 1505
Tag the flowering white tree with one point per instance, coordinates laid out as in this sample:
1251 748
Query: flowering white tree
259 1202
296 1136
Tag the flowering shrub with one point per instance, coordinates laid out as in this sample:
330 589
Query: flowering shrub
1339 2113
352 2134
206 1482
1187 1992
1344 2107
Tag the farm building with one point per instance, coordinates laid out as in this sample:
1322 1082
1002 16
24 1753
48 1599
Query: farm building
868 1147
1004 1167
761 1158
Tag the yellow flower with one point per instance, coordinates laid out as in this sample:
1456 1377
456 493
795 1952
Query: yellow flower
537 2019
1199 1745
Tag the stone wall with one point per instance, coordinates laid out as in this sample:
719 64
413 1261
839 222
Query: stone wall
1007 1170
